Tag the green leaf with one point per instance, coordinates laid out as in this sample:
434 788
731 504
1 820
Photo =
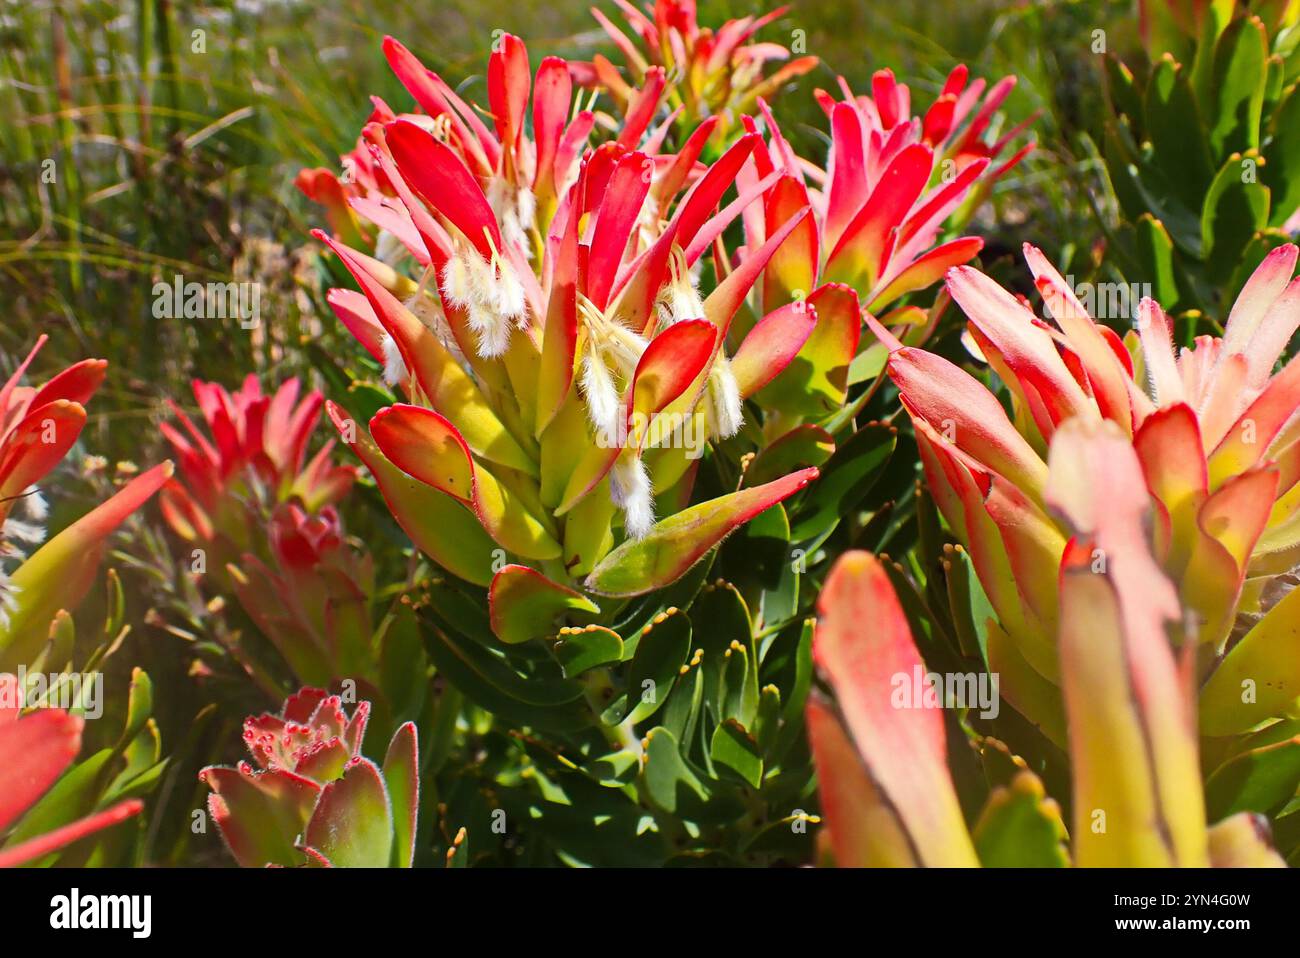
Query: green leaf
970 606
582 649
670 784
739 689
1125 97
660 654
615 769
676 543
718 618
1237 88
1020 827
403 666
802 446
1120 171
868 364
1234 212
492 683
525 604
848 476
402 779
138 708
142 752
734 748
1259 678
368 398
1142 188
115 605
1261 780
767 722
462 609
56 656
1155 252
1281 169
763 566
799 684
682 714
1214 17
1176 132
352 824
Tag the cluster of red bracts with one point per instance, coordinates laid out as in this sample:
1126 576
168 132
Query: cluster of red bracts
255 449
552 340
261 516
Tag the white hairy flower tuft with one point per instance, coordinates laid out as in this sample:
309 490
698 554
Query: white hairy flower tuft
395 370
602 397
726 410
631 491
679 298
490 294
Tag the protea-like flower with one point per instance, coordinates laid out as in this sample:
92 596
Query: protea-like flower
888 795
559 361
1215 433
893 183
38 425
705 72
262 519
313 798
252 458
313 598
35 750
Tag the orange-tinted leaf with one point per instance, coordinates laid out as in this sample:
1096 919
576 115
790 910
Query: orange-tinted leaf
863 645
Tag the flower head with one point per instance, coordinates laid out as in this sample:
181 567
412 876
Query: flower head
1214 433
712 73
553 367
254 453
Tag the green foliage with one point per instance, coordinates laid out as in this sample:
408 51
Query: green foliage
673 721
1197 151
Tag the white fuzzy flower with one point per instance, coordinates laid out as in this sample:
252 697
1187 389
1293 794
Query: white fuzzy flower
603 404
679 298
395 370
726 410
631 490
490 294
516 210
34 505
612 353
